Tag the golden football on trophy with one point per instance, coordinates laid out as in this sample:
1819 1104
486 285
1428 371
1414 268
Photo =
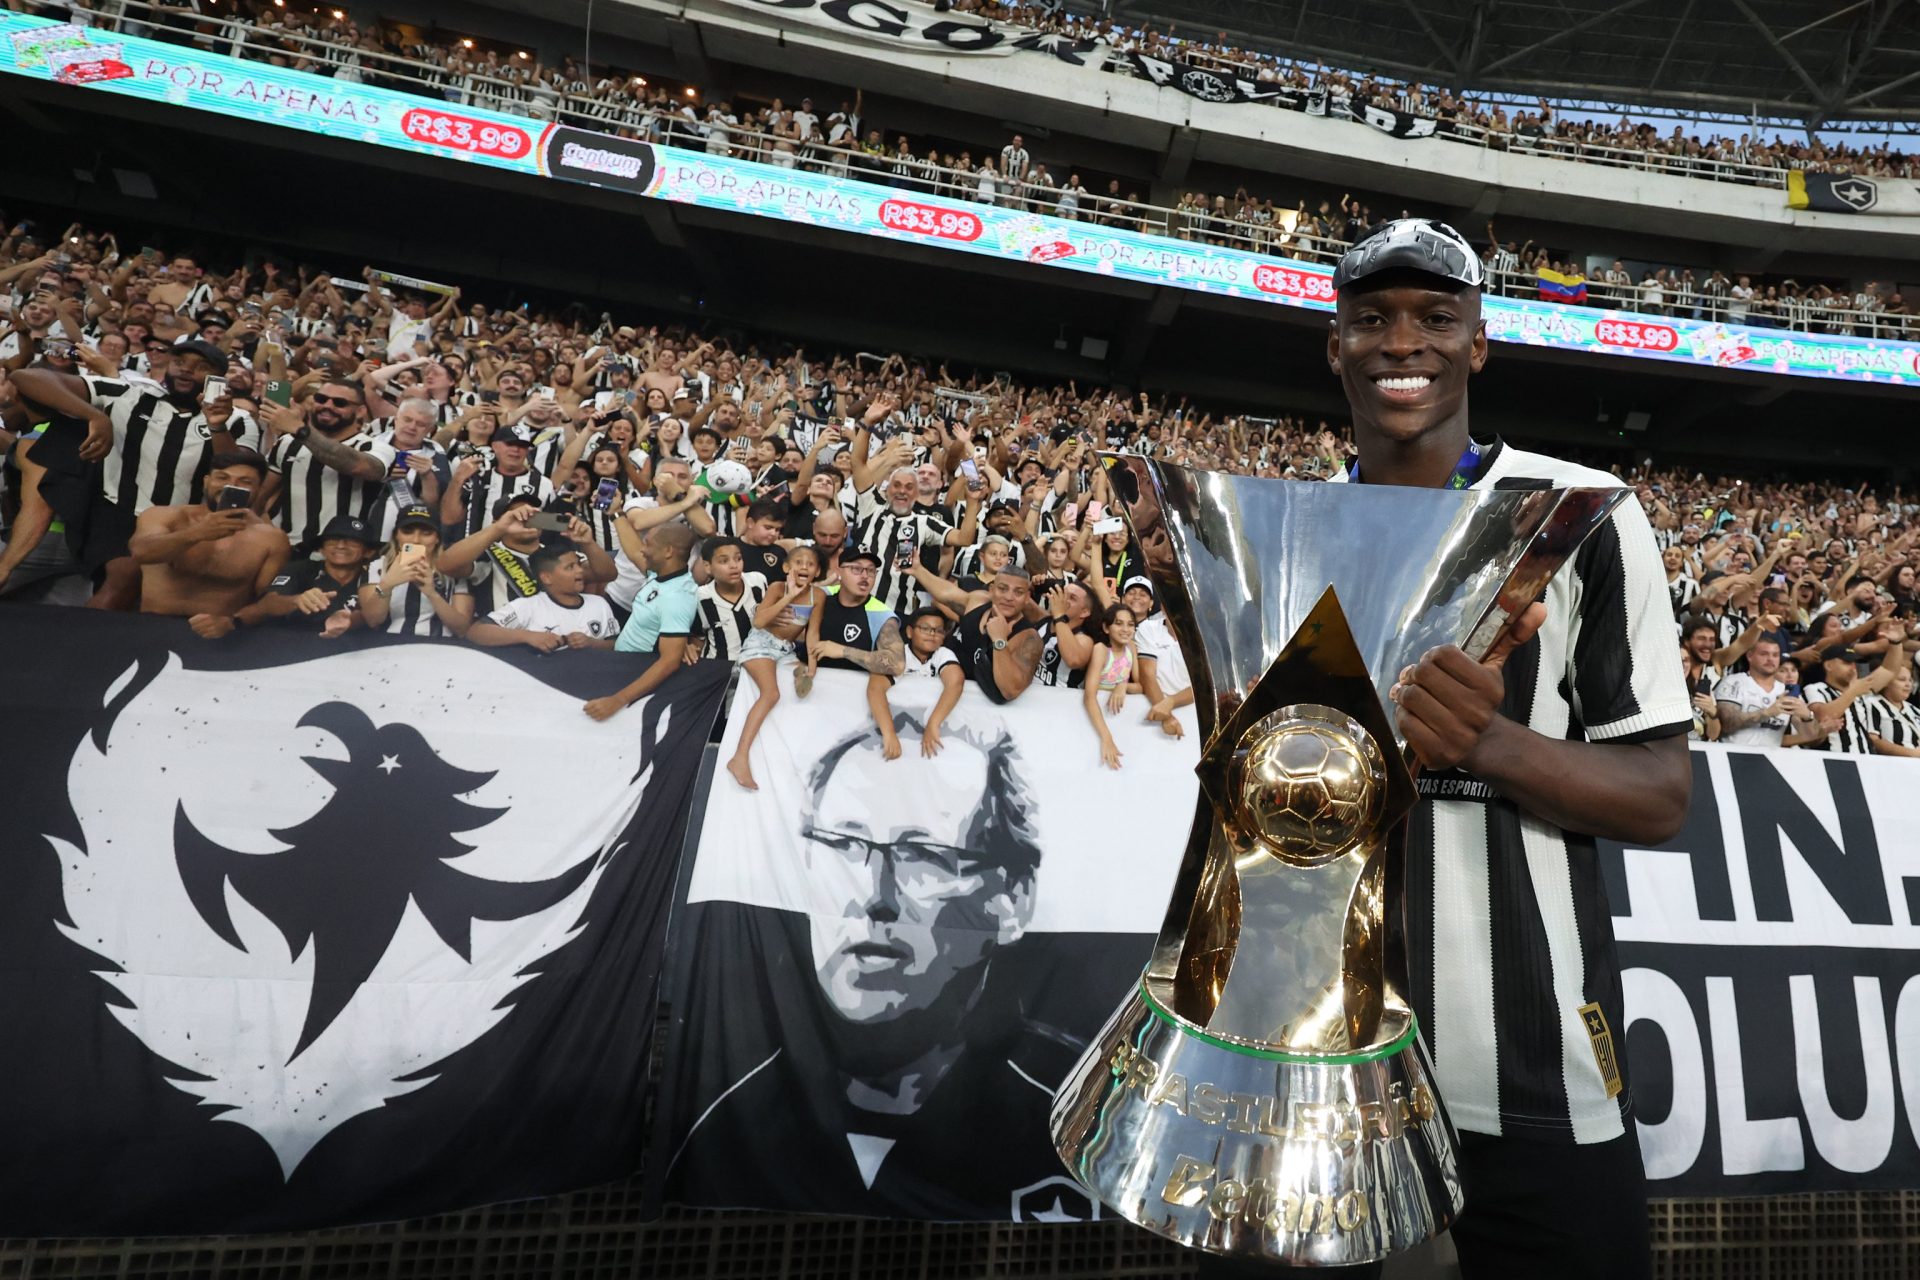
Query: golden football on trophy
1311 783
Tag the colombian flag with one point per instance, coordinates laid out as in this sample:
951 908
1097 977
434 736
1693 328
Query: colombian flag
1556 286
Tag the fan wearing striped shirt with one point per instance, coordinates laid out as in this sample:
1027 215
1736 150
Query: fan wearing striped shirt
1572 728
154 442
727 601
1891 721
322 465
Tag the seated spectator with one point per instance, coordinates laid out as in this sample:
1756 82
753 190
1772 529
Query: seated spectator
405 594
780 620
211 561
561 616
320 593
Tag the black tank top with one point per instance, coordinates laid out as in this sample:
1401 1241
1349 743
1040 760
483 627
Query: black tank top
855 626
974 647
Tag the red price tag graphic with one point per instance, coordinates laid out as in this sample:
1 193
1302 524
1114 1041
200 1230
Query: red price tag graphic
1637 336
1288 283
461 133
930 220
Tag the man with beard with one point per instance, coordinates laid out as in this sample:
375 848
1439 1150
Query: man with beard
323 465
210 561
906 1082
152 445
477 486
1755 709
1571 729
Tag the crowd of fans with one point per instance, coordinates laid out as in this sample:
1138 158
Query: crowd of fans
280 447
834 136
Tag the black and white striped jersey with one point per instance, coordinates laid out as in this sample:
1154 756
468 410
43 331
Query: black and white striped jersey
488 486
966 561
312 493
1850 738
723 625
409 613
880 530
1895 723
160 450
1509 936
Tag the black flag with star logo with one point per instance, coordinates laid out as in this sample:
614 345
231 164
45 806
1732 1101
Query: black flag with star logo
298 932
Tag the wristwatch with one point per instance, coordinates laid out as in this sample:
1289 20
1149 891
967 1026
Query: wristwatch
998 645
301 432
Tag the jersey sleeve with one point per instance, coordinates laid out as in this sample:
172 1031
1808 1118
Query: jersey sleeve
510 614
1626 679
292 580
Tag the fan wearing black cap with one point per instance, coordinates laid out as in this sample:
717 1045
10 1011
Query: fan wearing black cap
320 595
1573 728
478 485
404 593
153 445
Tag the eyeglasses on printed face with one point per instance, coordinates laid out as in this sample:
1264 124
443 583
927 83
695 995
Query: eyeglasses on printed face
921 867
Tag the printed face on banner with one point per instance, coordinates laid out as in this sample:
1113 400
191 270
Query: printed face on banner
932 860
898 960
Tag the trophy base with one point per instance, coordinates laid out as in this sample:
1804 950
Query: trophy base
1299 1159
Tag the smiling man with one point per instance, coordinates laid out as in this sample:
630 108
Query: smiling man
1574 728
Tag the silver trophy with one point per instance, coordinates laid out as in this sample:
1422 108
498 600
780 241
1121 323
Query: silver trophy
1263 1092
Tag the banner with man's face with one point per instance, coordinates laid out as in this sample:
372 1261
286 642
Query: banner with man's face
886 965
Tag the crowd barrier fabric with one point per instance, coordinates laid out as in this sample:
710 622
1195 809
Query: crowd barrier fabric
296 934
151 71
1770 958
886 966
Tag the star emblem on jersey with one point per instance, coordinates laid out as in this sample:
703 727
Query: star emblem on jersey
850 632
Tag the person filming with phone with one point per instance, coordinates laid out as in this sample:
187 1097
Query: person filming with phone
497 562
209 561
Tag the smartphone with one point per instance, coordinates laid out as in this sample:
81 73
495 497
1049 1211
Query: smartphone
400 457
215 387
408 550
551 521
909 543
278 391
150 253
546 393
489 397
605 400
742 443
603 496
233 498
1113 524
971 470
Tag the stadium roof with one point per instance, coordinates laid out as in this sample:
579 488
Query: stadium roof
1811 60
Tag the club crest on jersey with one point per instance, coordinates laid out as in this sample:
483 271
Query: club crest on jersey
1595 1021
850 632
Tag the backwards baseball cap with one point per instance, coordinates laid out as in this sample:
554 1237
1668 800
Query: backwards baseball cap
524 498
352 528
216 358
1412 244
417 514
